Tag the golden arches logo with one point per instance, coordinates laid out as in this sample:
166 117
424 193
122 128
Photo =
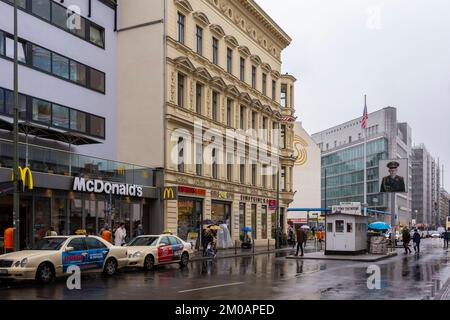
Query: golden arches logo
24 173
168 194
300 146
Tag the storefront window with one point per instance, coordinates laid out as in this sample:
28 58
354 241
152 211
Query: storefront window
221 213
90 217
76 217
254 225
264 222
101 215
42 217
189 217
59 215
241 221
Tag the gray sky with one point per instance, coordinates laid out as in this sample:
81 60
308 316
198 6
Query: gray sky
395 51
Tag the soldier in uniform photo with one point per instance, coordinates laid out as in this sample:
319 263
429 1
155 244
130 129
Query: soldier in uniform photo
393 182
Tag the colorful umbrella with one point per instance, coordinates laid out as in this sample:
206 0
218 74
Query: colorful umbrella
379 225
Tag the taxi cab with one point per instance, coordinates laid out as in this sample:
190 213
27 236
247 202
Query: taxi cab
148 251
52 256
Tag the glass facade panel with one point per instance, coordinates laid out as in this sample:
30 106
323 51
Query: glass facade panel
60 66
96 35
59 16
254 222
78 73
77 120
97 80
264 222
97 126
42 111
41 58
60 116
41 8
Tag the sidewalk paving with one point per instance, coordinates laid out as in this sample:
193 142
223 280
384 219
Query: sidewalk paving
232 253
359 258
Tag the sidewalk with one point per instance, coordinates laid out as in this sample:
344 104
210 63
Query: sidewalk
358 258
232 253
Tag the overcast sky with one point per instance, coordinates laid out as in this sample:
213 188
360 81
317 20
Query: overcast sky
395 51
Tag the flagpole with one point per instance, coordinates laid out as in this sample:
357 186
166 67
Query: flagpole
365 161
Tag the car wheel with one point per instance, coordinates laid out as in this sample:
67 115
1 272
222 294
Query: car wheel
45 273
184 259
149 263
110 267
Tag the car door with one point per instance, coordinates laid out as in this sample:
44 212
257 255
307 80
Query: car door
165 253
177 248
97 253
78 256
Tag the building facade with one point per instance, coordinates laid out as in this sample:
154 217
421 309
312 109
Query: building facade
306 178
342 166
67 77
220 62
424 186
444 207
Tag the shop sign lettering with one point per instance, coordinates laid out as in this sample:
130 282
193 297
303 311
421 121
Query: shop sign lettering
100 186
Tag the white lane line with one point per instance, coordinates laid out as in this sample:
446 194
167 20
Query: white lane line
212 287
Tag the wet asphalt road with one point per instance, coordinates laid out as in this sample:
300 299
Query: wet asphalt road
263 277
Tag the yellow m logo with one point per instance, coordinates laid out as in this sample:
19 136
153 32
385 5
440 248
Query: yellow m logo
24 173
168 194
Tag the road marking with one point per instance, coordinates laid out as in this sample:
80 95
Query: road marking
212 287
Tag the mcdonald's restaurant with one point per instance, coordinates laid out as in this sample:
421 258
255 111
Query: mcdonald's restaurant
83 200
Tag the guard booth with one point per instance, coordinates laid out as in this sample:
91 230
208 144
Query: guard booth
346 231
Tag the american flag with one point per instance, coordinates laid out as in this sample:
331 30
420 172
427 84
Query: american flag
365 117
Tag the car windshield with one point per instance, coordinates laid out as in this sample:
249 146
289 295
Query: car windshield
49 244
144 241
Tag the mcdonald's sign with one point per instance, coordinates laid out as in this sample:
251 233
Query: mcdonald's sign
24 174
169 193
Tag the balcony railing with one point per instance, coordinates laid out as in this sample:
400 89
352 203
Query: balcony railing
52 161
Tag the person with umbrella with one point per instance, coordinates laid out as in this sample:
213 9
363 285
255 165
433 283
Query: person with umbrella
301 240
406 238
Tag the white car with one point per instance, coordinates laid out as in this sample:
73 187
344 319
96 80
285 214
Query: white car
435 234
52 256
152 250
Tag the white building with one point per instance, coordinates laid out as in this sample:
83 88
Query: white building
306 175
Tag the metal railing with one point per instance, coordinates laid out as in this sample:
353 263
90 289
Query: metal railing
59 162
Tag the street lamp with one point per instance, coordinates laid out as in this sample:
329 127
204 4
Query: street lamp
16 210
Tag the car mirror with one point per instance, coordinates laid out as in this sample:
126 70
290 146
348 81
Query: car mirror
69 249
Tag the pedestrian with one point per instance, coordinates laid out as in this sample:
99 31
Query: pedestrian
139 231
51 232
105 233
446 236
406 238
301 239
416 241
206 239
105 226
120 235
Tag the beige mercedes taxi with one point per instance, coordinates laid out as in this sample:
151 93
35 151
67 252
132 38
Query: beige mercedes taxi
149 251
52 256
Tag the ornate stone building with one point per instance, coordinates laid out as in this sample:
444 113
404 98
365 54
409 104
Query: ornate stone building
220 71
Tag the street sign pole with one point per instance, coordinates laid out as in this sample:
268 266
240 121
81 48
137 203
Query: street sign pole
393 220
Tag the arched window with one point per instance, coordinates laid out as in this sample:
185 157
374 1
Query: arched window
214 163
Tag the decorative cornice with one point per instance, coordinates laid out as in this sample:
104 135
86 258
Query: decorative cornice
217 30
232 41
184 5
201 18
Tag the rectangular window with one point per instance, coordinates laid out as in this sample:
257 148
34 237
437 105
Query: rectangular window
59 16
96 35
214 163
41 8
78 72
242 170
264 175
254 222
340 226
350 139
242 118
329 227
198 159
198 98
77 120
274 177
214 105
274 89
199 36
41 58
230 167
180 163
350 227
97 126
283 179
264 84
2 43
264 222
60 66
283 136
275 136
60 116
42 111
96 80
253 77
181 19
254 115
9 49
229 112
2 100
242 69
9 102
283 97
229 60
241 221
181 90
265 129
253 174
215 51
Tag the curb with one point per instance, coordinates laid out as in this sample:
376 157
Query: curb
241 255
343 259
